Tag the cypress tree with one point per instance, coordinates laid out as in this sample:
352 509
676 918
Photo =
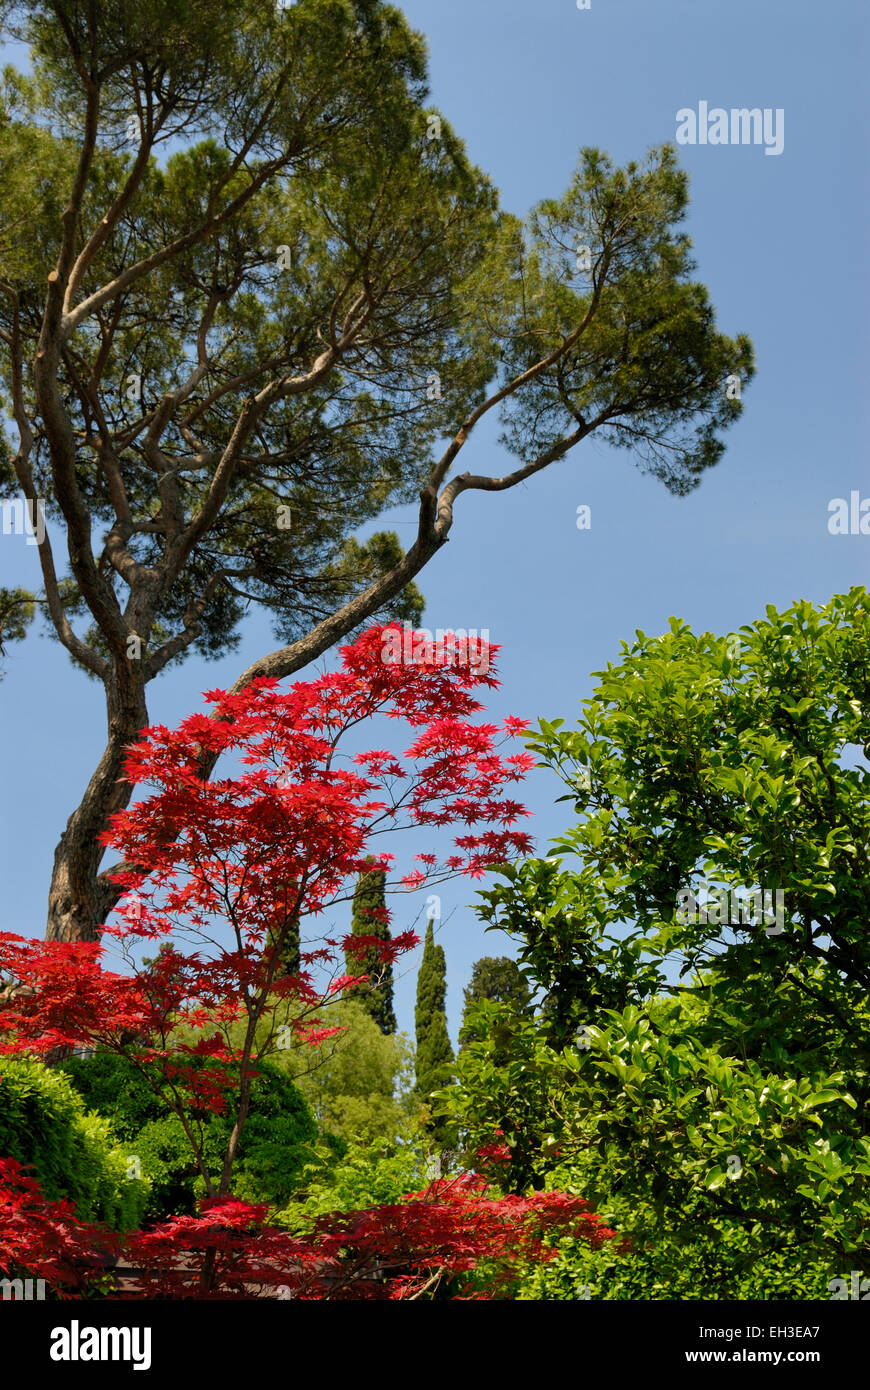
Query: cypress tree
369 904
434 1051
290 949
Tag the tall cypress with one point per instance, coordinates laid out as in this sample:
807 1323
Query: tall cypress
369 906
434 1050
289 928
290 950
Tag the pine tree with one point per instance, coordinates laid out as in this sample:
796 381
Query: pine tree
434 1050
369 907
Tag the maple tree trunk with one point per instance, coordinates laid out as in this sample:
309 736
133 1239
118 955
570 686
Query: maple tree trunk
78 902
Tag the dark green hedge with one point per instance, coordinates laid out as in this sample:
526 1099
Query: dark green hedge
276 1142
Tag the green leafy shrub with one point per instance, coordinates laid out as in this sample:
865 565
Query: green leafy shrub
363 1177
113 1086
73 1153
275 1146
700 1075
721 1172
725 1264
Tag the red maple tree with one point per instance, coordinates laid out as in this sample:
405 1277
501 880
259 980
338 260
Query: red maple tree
454 1236
231 867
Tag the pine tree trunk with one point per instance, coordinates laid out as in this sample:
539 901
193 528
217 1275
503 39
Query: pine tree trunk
79 901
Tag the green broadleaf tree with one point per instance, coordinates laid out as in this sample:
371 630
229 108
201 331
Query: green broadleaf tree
360 1082
703 1078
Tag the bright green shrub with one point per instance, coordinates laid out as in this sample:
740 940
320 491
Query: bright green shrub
722 1265
361 1178
72 1153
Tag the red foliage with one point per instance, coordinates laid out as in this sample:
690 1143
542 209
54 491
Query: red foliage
452 1234
45 1238
448 1233
245 856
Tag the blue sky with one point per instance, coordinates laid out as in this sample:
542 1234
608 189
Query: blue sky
781 243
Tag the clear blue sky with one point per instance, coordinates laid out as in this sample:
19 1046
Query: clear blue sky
780 241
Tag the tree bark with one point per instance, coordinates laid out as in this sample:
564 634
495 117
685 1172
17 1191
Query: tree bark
79 899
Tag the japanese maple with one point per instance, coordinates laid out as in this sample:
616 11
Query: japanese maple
248 857
454 1236
45 1239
